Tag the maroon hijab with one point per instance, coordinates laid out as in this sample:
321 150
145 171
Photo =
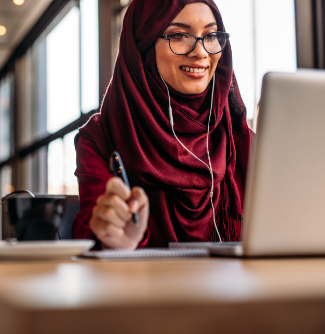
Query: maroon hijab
134 121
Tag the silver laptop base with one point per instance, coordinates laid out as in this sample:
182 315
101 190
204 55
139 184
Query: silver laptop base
233 249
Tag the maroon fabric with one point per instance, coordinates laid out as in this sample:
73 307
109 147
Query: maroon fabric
134 121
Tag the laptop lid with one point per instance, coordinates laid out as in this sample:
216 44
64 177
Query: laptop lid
285 193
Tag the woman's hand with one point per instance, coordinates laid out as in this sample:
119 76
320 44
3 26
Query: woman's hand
111 219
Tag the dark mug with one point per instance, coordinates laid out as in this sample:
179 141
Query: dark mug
32 218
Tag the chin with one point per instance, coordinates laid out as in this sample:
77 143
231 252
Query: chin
194 90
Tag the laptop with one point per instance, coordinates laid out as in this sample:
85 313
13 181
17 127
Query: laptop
284 209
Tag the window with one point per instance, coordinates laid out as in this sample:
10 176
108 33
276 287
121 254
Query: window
259 45
56 85
5 181
6 108
6 87
61 166
89 56
62 58
72 88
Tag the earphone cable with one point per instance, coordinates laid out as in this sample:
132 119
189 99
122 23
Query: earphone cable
208 153
171 121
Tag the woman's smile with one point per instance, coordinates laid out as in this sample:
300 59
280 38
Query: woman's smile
194 71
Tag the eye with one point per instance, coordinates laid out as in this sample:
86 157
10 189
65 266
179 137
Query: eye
178 37
211 37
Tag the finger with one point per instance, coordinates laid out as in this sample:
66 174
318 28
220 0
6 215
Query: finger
138 199
108 215
115 186
104 230
116 202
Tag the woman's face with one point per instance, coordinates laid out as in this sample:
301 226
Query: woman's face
197 19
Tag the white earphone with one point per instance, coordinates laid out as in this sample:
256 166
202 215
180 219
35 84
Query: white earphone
171 121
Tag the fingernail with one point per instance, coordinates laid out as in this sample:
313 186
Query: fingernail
134 206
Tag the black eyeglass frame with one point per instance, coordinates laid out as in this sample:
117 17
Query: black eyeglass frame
167 37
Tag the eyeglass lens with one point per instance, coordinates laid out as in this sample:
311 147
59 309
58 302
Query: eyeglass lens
183 43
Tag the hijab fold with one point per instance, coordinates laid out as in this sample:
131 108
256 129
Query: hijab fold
134 121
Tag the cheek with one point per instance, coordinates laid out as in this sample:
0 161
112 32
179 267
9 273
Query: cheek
167 62
215 60
160 59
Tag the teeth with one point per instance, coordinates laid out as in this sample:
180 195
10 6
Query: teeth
193 69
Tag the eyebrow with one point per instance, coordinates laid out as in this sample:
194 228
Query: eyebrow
187 26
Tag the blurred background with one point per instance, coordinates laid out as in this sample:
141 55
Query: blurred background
57 57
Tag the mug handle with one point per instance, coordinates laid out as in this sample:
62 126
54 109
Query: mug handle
17 192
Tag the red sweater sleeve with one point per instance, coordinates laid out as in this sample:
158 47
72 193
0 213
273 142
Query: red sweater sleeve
92 173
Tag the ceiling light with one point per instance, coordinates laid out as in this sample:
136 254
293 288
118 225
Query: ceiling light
18 2
3 30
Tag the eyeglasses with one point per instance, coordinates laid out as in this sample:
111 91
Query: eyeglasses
182 43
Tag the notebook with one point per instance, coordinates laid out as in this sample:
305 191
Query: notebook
285 191
147 253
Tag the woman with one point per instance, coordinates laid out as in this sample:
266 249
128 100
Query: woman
176 171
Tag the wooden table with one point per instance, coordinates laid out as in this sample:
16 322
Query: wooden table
213 295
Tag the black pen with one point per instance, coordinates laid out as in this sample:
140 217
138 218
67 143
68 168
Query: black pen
117 168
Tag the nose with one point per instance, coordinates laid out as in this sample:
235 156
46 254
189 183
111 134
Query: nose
198 51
